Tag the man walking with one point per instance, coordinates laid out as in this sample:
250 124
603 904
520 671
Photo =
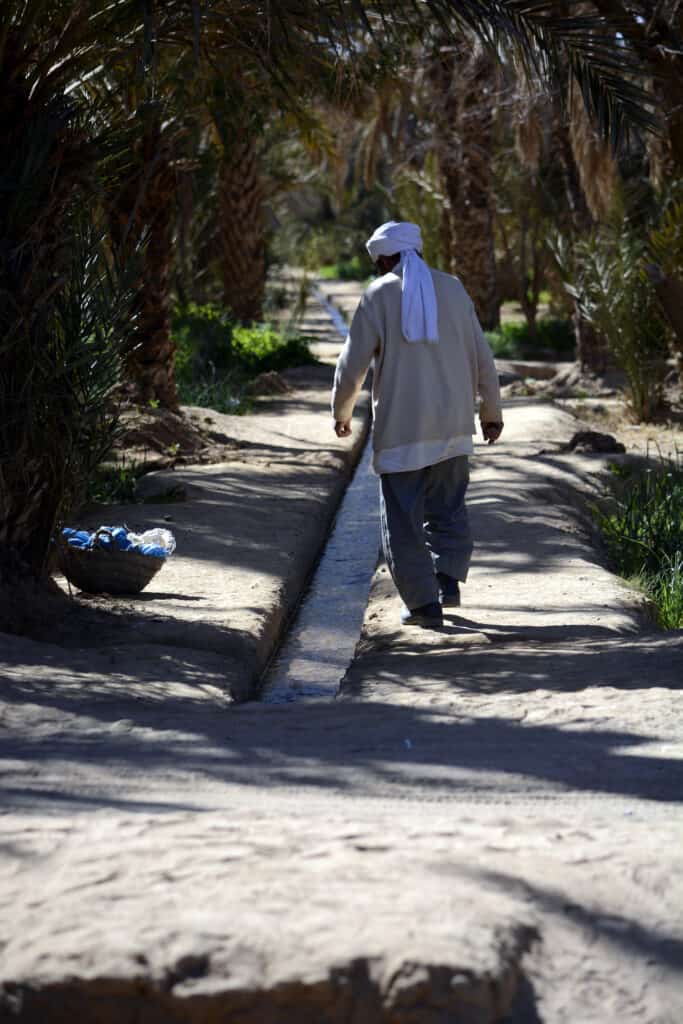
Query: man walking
430 361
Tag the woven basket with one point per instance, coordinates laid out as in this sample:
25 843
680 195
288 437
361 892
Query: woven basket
98 571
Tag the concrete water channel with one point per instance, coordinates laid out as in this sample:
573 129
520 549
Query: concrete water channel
320 643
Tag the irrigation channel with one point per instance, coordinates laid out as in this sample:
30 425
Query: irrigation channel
321 641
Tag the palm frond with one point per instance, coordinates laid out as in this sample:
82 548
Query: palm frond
607 68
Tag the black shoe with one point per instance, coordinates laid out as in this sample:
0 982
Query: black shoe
427 615
449 590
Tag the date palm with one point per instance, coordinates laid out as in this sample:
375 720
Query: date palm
653 33
463 87
57 332
237 113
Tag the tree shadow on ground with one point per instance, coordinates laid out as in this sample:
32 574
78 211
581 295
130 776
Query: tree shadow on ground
554 659
460 627
434 749
628 935
524 1009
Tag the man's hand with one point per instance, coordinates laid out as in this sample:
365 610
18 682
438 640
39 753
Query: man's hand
491 431
342 428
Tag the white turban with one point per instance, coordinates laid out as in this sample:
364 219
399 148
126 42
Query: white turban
419 317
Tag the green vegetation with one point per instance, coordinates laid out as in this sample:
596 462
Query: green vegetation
261 348
114 483
58 370
358 268
222 392
643 530
516 341
612 289
216 358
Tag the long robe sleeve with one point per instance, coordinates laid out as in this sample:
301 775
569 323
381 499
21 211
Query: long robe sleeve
490 410
354 361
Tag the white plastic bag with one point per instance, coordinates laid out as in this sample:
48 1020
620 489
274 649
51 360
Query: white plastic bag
156 537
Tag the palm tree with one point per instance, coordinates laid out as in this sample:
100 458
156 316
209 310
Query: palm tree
242 229
654 35
142 209
58 329
530 202
237 111
463 80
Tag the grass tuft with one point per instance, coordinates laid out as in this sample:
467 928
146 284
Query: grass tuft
643 531
114 484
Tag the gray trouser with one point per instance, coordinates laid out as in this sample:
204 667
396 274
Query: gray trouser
425 528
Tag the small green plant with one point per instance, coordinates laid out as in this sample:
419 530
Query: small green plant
114 484
666 590
220 392
643 531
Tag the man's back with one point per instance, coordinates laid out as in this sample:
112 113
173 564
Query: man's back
423 393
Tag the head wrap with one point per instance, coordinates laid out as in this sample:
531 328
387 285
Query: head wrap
392 237
419 315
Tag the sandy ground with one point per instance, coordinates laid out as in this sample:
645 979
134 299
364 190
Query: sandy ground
484 826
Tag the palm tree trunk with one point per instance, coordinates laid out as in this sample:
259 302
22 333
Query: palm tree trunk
146 207
473 215
591 349
463 80
151 363
48 168
242 230
531 264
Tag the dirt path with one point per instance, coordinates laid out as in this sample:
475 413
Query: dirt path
486 826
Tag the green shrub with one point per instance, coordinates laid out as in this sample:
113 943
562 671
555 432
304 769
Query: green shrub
501 344
609 283
558 334
216 357
358 268
203 338
515 341
261 348
643 532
